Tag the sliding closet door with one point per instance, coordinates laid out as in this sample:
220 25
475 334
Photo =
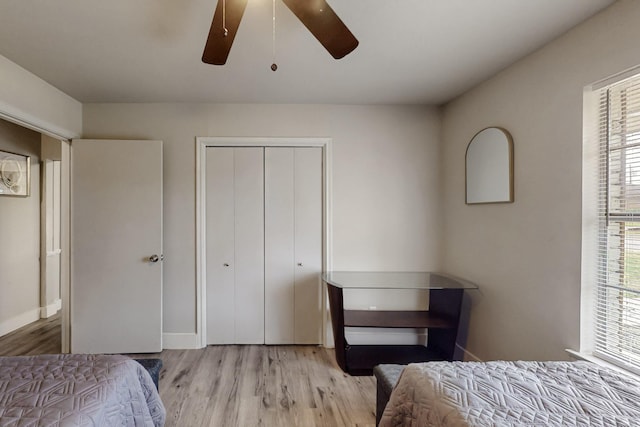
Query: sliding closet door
293 245
308 245
235 245
249 245
279 242
220 246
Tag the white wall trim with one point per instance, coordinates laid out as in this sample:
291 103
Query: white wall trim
616 78
19 321
51 309
13 115
65 244
31 102
180 341
590 242
54 252
579 355
201 145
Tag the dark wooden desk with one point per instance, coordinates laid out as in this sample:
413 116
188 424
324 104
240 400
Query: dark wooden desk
445 318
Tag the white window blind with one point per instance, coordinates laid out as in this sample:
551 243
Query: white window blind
617 323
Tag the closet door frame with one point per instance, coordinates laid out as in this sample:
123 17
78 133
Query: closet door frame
201 274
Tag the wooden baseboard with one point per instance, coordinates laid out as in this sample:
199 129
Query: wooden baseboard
51 309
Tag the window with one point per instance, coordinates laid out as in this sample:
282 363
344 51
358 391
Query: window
617 300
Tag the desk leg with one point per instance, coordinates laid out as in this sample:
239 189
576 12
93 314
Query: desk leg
446 302
336 306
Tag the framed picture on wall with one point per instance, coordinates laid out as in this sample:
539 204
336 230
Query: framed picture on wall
15 174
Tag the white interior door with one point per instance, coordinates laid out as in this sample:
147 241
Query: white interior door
116 235
235 245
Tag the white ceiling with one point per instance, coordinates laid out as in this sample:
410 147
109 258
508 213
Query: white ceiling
411 51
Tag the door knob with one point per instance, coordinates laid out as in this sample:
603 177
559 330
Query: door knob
225 264
154 258
299 264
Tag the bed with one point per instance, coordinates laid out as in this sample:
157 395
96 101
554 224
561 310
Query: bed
77 390
456 394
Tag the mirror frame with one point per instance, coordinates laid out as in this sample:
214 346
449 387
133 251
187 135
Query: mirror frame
509 140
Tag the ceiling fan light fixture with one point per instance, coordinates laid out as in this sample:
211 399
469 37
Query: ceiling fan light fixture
274 66
319 18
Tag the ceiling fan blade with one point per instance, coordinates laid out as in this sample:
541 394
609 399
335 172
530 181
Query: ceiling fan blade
218 44
325 25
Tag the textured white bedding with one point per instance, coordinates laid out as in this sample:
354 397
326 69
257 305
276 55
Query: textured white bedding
462 394
77 390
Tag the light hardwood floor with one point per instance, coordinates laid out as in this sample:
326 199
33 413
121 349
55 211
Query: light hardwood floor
243 386
263 386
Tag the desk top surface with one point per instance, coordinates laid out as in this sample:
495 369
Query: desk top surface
395 280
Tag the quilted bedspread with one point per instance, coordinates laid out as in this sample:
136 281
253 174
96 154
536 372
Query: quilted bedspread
77 390
457 394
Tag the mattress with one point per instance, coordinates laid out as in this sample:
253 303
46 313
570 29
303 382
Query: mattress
77 390
457 394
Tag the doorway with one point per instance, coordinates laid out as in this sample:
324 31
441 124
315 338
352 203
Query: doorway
34 273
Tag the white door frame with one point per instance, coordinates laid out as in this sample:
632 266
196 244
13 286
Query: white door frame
49 248
65 245
202 142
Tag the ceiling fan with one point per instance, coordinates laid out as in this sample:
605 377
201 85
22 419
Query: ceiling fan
316 15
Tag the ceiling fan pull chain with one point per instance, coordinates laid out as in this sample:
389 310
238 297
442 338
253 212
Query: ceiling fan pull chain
224 18
274 66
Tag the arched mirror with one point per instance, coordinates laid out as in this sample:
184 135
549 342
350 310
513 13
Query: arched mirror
489 167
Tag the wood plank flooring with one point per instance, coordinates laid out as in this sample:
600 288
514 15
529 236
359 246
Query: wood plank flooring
40 337
263 386
244 386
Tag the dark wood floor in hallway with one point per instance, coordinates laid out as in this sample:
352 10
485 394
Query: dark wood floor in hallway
40 337
244 386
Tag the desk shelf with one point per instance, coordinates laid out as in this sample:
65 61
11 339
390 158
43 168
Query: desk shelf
397 319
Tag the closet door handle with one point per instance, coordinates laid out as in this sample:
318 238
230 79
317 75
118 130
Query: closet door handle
225 264
299 264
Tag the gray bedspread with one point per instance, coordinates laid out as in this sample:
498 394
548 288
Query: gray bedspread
462 394
77 390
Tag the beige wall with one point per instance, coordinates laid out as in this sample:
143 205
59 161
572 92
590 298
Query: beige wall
385 179
20 237
526 256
